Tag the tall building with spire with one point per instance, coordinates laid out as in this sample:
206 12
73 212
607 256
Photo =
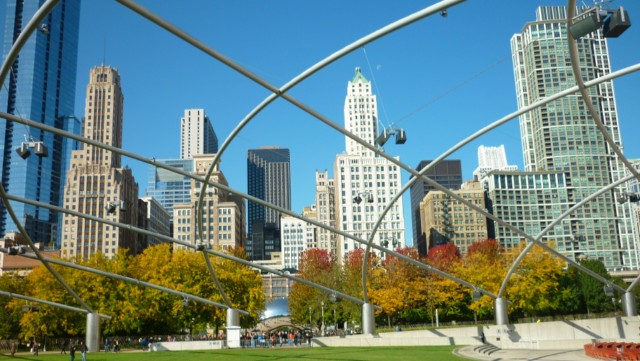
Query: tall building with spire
96 182
364 182
562 136
40 87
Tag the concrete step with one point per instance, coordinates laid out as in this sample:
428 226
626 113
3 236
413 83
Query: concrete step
486 349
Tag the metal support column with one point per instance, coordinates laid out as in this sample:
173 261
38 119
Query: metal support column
629 304
92 339
233 328
368 321
501 311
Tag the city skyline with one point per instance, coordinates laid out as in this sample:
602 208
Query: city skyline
437 83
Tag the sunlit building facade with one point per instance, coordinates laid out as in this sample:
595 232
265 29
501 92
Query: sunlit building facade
561 136
364 182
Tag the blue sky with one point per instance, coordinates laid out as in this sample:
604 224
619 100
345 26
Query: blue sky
440 79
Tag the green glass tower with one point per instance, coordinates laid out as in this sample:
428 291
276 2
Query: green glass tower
562 136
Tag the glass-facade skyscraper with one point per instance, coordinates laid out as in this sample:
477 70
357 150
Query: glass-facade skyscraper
269 179
562 136
169 188
40 87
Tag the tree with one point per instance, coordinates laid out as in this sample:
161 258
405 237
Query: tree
444 257
41 321
10 321
592 289
318 266
446 295
535 282
401 288
484 266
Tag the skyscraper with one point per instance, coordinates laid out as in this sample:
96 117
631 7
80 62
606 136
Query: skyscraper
562 136
491 158
196 134
364 182
96 182
223 214
442 217
269 179
325 212
169 188
447 173
40 87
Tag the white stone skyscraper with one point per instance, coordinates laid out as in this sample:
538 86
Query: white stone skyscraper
96 182
196 134
364 182
562 136
491 158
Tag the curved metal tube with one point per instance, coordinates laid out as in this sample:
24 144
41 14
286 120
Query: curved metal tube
482 131
275 91
215 278
300 217
153 162
610 76
49 303
577 75
573 52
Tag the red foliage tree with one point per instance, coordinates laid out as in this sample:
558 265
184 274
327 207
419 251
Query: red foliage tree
443 257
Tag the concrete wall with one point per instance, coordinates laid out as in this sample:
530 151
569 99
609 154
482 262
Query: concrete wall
557 335
187 345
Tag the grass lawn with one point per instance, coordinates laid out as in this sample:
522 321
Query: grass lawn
422 353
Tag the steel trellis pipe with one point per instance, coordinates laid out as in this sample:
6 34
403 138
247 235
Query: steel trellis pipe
49 303
281 92
131 280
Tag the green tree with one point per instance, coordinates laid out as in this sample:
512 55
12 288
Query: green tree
10 321
592 289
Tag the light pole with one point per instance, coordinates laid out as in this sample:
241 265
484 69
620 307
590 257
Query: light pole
309 316
322 309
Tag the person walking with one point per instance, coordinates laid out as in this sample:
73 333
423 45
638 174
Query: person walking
72 352
63 347
14 348
83 351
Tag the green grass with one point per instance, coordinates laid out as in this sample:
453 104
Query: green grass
422 353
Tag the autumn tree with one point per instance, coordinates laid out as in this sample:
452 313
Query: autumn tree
40 321
485 266
318 266
447 296
401 287
10 321
535 282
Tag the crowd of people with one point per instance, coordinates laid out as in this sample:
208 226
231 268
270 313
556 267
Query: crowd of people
292 338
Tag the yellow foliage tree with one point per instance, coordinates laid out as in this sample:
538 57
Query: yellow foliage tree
535 282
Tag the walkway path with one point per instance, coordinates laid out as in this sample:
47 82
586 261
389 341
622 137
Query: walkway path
496 354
